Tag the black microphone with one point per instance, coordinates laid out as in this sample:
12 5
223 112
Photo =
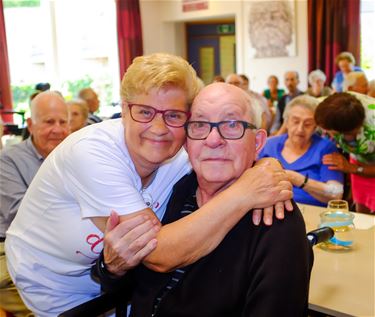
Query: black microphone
320 235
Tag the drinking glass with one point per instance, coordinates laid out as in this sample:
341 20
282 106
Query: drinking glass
338 217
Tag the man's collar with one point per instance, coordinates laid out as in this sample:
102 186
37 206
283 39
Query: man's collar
30 145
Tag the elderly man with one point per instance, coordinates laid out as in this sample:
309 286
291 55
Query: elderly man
48 126
357 82
242 276
93 102
291 81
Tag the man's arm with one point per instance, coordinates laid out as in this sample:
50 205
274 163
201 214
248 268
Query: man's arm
12 189
192 237
281 268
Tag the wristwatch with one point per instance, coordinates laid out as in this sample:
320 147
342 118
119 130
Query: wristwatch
359 169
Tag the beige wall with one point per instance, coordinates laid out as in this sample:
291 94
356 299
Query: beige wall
163 30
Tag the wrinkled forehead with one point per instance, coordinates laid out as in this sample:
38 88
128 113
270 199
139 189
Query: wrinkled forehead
221 100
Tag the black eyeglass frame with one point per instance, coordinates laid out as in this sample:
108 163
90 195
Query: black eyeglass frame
245 124
156 111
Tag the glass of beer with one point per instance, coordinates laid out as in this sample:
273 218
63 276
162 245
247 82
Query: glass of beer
338 217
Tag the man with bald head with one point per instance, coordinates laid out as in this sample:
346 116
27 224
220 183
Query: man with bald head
48 127
242 275
92 100
291 81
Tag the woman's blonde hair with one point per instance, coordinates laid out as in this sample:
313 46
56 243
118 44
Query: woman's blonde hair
159 70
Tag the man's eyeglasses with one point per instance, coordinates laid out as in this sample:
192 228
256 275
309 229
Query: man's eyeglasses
230 130
145 114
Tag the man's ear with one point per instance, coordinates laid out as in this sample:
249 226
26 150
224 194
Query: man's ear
29 125
260 140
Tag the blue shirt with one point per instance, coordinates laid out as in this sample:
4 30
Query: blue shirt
338 80
309 163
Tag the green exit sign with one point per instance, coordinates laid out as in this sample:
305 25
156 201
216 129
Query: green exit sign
225 28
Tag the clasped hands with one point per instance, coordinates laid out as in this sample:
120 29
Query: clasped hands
127 243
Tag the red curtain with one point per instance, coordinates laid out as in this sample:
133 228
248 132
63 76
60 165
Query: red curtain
5 91
129 32
333 27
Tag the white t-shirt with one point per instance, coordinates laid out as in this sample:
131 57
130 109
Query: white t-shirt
52 243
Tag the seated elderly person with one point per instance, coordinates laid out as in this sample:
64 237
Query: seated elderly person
357 82
317 89
78 114
242 276
346 64
93 102
301 150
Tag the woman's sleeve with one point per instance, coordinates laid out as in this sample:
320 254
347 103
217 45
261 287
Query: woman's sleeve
100 180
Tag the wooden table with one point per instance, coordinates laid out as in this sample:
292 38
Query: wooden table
342 284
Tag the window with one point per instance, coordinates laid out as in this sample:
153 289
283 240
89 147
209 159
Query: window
367 38
70 44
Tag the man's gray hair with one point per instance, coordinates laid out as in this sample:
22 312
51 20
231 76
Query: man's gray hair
254 108
351 79
292 71
305 101
316 75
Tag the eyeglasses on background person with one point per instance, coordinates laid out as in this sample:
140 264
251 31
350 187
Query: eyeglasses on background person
230 130
145 114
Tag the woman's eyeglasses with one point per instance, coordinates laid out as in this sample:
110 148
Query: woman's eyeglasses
145 114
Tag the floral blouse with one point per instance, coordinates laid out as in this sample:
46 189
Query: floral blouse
363 148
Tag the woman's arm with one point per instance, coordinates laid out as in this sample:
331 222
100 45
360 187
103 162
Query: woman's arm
194 236
338 162
322 191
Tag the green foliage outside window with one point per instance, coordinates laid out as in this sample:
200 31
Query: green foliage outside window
21 96
72 87
21 3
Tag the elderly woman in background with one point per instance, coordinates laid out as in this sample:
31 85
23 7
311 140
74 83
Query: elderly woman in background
316 80
357 82
78 114
301 151
273 93
350 119
345 62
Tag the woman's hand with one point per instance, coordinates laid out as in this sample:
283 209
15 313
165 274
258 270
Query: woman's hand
127 243
338 162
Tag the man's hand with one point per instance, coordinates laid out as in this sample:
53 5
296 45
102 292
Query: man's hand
127 243
279 180
338 162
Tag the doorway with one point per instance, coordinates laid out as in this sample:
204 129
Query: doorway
212 48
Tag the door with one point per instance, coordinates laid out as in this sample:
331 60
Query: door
211 49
